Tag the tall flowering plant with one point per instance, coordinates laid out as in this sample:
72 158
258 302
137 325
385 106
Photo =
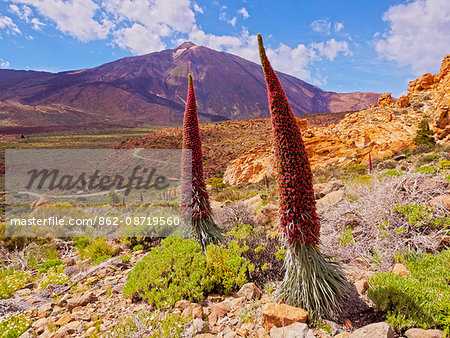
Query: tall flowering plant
312 280
196 209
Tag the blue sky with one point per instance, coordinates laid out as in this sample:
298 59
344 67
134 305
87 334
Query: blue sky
342 46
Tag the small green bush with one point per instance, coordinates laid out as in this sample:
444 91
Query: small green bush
422 299
13 325
125 257
346 237
424 135
138 247
94 248
45 266
54 276
445 165
362 179
177 269
393 173
11 281
113 198
428 158
420 216
100 259
159 325
227 268
259 246
354 169
430 170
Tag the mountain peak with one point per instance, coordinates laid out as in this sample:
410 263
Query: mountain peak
186 44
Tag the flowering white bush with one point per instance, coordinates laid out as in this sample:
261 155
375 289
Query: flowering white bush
11 281
14 324
54 277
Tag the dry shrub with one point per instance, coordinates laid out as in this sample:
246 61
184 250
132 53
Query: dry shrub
233 214
366 224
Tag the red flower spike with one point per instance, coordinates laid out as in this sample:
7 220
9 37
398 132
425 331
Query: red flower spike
204 229
192 140
298 215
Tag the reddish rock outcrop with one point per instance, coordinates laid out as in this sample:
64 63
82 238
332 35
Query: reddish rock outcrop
385 100
403 101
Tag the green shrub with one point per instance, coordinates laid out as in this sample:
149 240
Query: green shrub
354 169
259 246
45 266
362 179
422 299
125 257
177 269
159 325
227 268
100 259
11 281
13 325
346 237
54 276
393 173
138 247
445 165
173 271
94 248
424 135
216 183
113 198
428 158
420 216
430 170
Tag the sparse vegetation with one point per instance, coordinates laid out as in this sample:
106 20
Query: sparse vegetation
96 249
388 216
428 170
54 276
151 324
422 216
393 172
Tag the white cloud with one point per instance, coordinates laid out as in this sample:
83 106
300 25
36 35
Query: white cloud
243 11
296 61
197 8
8 24
23 12
223 16
138 39
4 64
36 24
322 26
73 17
158 16
331 48
418 34
338 26
216 42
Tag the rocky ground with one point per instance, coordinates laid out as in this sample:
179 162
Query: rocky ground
92 305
